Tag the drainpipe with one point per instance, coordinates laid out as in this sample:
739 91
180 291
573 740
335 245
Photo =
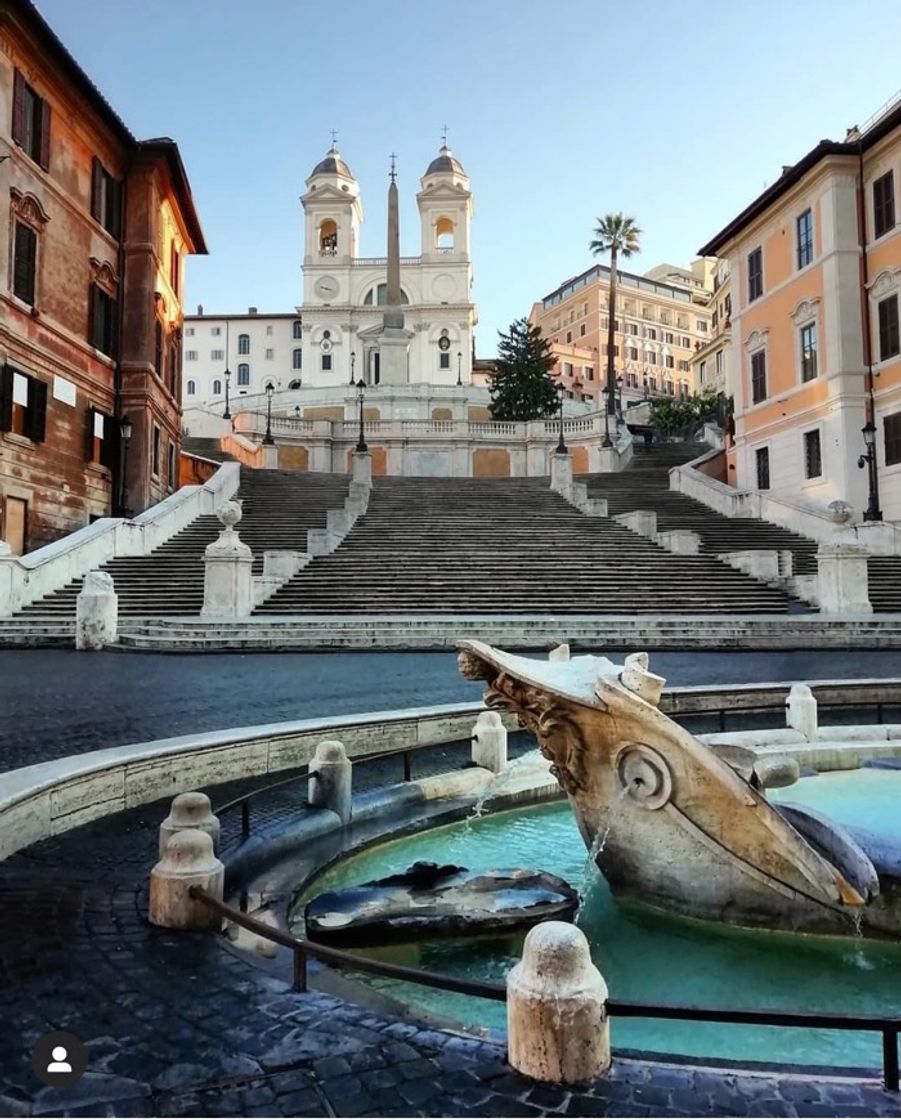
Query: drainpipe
873 512
119 473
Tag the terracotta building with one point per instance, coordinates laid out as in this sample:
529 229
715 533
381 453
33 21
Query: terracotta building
815 264
98 227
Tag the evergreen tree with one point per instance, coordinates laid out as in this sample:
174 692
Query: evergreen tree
522 388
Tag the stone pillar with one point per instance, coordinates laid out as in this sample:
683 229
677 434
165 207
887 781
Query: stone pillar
189 810
8 564
228 578
559 653
270 457
283 563
557 1027
641 521
801 711
96 612
842 581
489 742
331 783
561 472
683 542
188 861
362 467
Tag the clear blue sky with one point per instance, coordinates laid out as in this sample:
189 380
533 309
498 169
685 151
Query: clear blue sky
677 113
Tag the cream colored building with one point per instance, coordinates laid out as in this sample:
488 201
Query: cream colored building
711 362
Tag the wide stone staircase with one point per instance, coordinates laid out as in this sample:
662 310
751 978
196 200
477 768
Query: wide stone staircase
506 546
278 506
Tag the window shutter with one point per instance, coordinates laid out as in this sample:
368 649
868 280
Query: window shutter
45 135
37 410
25 250
6 398
19 109
113 351
89 435
109 455
114 206
96 189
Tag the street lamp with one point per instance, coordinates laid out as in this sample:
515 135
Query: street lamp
868 460
561 446
353 362
267 438
619 399
125 430
606 441
459 360
361 396
227 375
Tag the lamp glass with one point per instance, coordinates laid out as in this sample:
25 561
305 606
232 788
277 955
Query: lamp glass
125 427
869 434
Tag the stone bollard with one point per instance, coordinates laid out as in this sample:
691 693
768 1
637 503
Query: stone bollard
189 810
489 742
362 467
557 1027
270 456
561 472
96 612
801 711
842 579
559 653
331 783
188 861
228 574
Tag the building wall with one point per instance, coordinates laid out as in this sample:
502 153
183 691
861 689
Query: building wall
271 345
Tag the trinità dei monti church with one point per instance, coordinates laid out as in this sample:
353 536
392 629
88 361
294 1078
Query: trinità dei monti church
389 338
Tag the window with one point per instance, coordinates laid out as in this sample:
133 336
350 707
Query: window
217 388
758 376
174 268
101 438
297 359
217 355
243 343
701 325
270 354
633 328
443 360
569 336
668 337
243 373
762 457
884 203
269 329
189 331
25 253
155 460
669 388
804 229
652 383
103 321
170 474
23 404
651 333
686 342
215 331
191 388
719 363
582 331
31 122
190 355
669 361
683 365
727 307
755 275
326 362
588 373
106 199
888 328
294 384
632 353
891 426
298 329
702 372
813 459
809 352
652 359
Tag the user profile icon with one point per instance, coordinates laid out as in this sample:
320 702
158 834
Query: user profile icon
59 1058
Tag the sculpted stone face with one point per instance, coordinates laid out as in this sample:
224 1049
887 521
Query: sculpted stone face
684 826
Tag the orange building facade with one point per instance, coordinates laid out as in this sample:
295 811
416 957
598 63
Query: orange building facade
815 265
98 228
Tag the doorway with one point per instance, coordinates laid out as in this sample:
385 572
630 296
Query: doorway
15 524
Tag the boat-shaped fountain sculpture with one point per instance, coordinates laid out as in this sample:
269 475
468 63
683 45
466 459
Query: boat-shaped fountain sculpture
678 824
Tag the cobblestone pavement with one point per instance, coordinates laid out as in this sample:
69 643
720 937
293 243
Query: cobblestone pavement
57 703
177 1025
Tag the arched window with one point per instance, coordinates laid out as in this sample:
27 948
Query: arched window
243 374
217 388
328 238
444 234
298 359
158 349
294 384
191 388
298 328
243 343
379 295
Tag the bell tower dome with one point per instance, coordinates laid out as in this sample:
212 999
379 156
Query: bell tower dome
445 208
333 212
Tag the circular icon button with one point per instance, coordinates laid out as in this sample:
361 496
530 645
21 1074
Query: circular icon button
59 1058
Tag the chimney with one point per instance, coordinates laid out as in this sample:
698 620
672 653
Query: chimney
852 134
199 308
251 311
786 167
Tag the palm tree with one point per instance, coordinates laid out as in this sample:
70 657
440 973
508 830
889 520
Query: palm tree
614 234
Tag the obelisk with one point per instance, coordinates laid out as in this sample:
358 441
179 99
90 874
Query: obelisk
394 339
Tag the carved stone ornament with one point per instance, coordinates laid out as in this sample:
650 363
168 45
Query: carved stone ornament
102 274
28 209
888 281
804 311
755 340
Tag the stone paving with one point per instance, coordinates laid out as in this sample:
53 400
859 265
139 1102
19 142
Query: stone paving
178 1025
57 702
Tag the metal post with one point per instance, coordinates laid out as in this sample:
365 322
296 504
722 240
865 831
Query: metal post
606 441
227 414
245 818
868 459
561 446
408 767
890 1058
459 361
361 396
300 970
267 438
353 362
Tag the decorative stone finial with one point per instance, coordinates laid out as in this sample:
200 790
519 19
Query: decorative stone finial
637 678
229 514
840 512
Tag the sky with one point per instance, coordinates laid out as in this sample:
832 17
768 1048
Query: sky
676 113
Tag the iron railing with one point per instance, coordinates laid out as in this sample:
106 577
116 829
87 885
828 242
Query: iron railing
303 949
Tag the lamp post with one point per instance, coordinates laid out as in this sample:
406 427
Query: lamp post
361 396
459 363
619 399
606 441
227 375
868 460
353 362
561 446
267 438
125 430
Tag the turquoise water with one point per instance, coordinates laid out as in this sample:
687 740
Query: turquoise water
647 955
